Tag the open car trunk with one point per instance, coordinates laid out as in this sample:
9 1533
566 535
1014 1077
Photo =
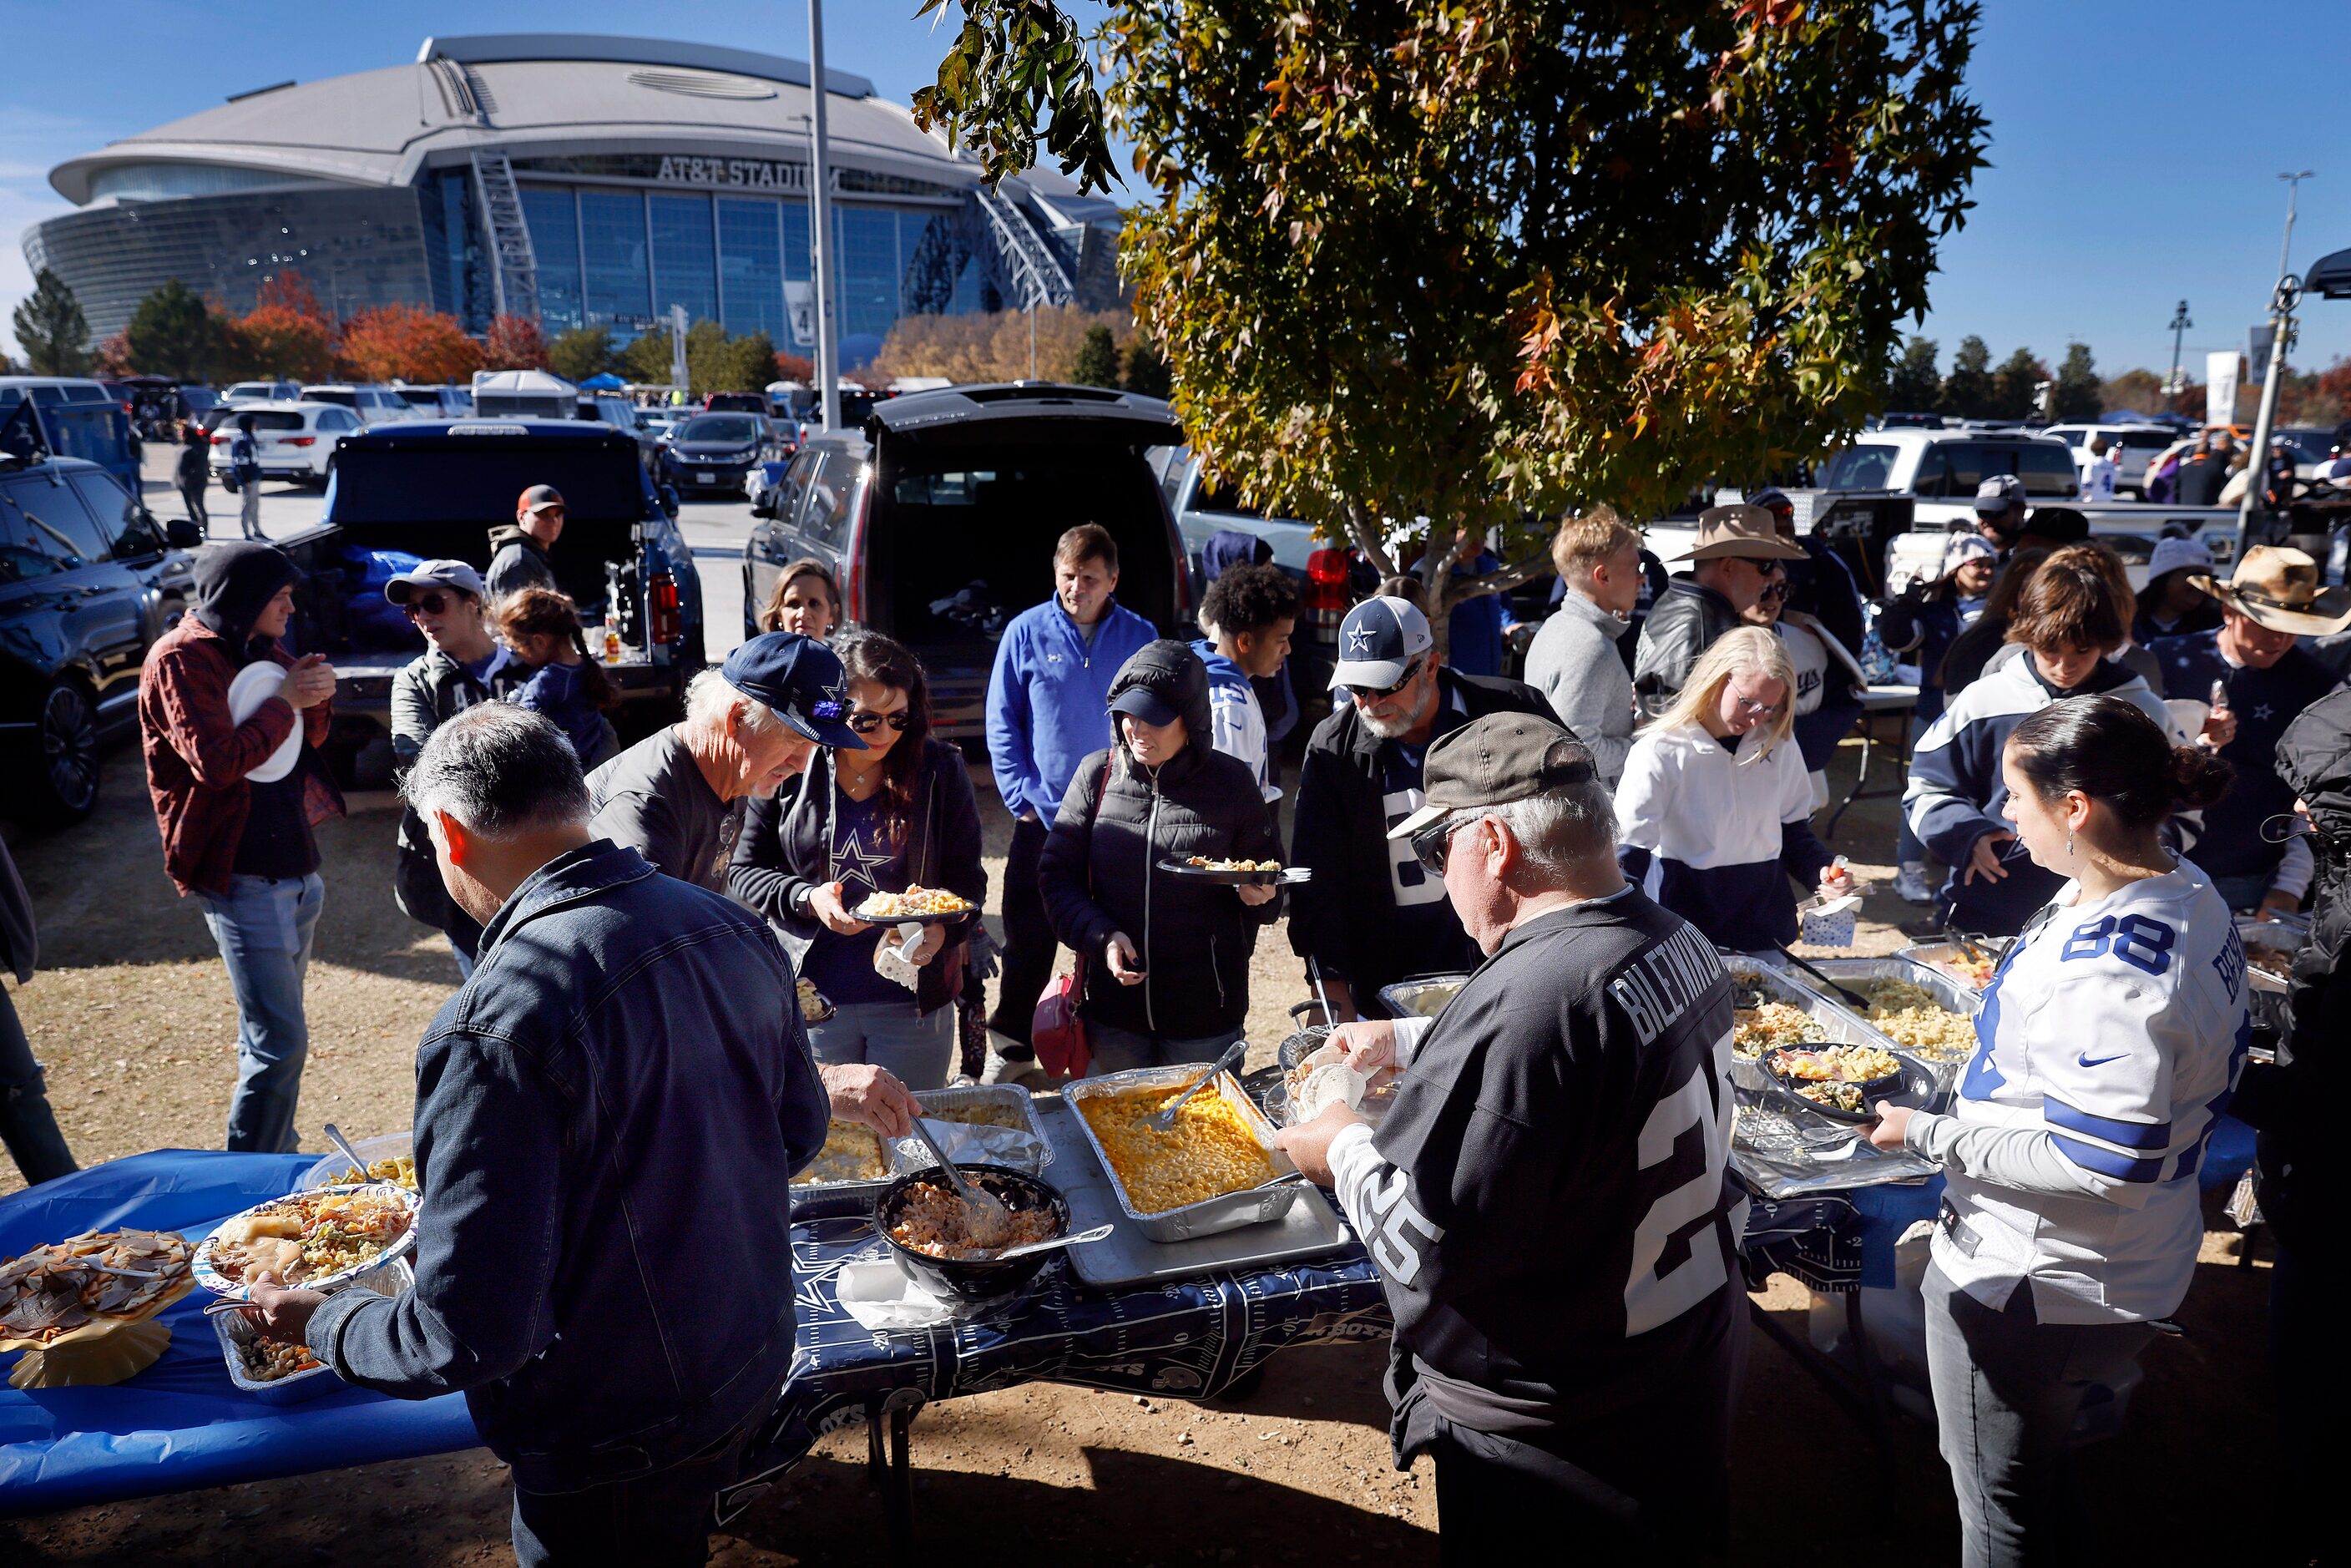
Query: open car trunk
960 539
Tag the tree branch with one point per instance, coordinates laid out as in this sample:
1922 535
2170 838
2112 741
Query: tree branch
1367 539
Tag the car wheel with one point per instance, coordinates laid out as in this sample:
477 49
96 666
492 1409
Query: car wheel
58 783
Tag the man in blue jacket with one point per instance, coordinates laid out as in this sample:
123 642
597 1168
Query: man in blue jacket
607 1117
1048 706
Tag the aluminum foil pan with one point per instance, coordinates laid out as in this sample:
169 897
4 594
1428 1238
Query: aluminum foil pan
1750 976
2275 936
234 1334
1227 1211
1424 995
1936 955
907 1155
1954 997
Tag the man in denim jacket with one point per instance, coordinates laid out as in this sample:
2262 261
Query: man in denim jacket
607 1116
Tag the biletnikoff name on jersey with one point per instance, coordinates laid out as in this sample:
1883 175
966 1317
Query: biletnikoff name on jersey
1659 985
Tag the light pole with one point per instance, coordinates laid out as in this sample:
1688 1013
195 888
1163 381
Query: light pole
2293 189
828 342
2282 301
2180 325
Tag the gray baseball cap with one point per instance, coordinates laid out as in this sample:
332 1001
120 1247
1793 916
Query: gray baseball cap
454 574
1999 493
1494 760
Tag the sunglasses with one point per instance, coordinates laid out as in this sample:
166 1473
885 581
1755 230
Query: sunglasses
431 602
1750 707
867 723
1434 843
1380 694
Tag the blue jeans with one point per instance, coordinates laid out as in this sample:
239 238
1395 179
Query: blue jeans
1124 1049
657 1521
919 1049
265 928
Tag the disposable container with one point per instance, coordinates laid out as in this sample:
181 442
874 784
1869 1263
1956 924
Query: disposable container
235 1333
908 1155
1227 1211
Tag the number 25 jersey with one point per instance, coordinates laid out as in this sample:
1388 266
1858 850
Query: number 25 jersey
2107 1046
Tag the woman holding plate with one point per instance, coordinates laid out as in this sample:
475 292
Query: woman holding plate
900 813
1166 950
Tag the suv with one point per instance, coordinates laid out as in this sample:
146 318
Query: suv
434 402
939 518
78 418
374 405
435 488
292 440
715 450
87 583
2132 446
612 409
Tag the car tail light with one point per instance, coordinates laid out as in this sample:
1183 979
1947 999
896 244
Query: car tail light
661 604
220 440
1323 595
298 441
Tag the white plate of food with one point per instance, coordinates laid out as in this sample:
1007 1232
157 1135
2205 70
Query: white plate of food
319 1240
916 904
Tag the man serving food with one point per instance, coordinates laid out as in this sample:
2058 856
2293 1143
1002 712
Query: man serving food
608 1114
1545 1199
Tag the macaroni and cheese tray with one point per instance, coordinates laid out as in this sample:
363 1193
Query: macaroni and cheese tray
1204 1175
1424 995
858 1163
1311 1228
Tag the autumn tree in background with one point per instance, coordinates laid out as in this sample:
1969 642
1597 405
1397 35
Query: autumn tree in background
513 344
1480 263
714 361
583 351
2133 392
994 346
111 357
408 342
51 329
286 333
1968 389
791 367
172 333
1916 385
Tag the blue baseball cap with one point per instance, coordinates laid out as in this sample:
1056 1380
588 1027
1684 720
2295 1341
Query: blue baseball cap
800 681
1378 641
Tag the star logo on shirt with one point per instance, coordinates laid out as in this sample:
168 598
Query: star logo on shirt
2261 713
856 863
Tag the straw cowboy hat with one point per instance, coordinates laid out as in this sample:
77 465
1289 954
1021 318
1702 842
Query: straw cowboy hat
1749 531
2279 588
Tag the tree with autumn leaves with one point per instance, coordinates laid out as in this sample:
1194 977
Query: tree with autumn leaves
1417 268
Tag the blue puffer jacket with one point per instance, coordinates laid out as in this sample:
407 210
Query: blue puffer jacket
1047 700
607 1116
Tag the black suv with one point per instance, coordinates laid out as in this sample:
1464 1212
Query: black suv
940 517
88 582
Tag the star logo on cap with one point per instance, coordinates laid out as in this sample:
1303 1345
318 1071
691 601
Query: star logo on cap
835 705
855 863
1359 640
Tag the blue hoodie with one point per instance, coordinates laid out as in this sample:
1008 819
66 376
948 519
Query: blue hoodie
1048 700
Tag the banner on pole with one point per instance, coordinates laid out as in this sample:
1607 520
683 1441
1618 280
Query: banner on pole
2220 371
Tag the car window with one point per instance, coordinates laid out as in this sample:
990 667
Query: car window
822 518
128 533
52 518
720 427
48 397
269 419
1954 468
794 484
1867 466
325 394
960 488
21 554
337 419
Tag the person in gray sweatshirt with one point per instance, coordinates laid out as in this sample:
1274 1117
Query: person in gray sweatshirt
1574 660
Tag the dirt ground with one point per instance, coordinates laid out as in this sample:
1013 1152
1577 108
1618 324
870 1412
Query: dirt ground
132 1015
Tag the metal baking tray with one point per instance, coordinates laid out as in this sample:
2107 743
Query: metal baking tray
1949 992
1836 1020
836 1199
1311 1228
908 1155
233 1331
1929 954
1423 996
1227 1211
2277 936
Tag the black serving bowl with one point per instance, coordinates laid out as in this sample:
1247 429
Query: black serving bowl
1905 1081
971 1278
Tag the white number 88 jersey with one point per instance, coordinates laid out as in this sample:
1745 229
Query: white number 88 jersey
2114 1031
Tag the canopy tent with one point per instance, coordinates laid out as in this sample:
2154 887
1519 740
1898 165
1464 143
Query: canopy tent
2329 276
604 380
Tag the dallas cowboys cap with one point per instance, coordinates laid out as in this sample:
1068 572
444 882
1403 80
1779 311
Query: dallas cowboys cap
1378 641
800 680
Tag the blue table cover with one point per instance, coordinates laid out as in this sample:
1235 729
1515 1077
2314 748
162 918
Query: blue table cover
181 1423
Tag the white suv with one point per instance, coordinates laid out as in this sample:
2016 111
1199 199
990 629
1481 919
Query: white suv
374 405
292 440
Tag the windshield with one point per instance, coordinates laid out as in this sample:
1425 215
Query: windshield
1862 467
475 479
736 427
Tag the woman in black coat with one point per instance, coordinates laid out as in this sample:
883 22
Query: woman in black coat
900 813
1167 955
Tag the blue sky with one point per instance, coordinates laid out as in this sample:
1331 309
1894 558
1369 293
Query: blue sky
2134 146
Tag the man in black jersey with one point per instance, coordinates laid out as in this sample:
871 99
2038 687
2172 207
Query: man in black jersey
1546 1201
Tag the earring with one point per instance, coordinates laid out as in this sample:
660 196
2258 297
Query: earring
2069 844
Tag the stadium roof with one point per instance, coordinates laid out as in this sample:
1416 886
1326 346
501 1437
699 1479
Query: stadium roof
534 94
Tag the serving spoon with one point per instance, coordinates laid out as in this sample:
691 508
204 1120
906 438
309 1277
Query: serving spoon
335 1136
989 1220
1097 1233
1231 1058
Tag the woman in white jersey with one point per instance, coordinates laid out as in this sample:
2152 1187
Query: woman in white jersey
2107 1044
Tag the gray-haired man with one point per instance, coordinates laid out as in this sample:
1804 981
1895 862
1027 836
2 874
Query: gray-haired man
607 1116
1545 1200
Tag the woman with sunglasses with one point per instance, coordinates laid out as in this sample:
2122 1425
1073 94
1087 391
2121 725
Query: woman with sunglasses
462 664
1714 813
900 813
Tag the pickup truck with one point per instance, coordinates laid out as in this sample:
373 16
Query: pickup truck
434 489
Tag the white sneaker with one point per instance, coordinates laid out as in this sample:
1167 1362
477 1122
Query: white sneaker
1910 884
1004 1069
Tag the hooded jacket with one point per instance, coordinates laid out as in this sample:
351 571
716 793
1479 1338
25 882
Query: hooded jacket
516 561
1101 867
197 756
